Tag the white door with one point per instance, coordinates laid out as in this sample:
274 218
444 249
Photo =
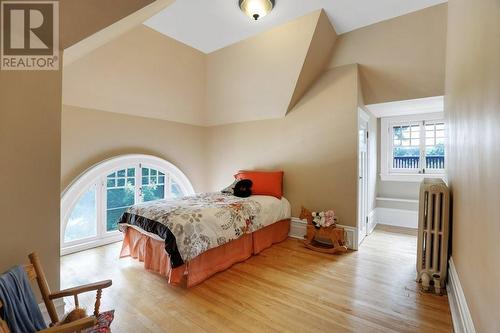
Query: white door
363 179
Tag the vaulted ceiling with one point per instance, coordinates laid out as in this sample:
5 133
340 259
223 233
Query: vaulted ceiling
133 69
209 25
148 74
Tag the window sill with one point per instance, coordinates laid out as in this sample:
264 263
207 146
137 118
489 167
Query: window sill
112 237
411 178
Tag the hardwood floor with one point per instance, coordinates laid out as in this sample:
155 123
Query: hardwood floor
286 288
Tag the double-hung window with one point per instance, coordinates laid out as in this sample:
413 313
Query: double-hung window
413 147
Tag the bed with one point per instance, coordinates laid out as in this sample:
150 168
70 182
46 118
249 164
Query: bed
191 238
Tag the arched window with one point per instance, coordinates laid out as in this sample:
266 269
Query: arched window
92 205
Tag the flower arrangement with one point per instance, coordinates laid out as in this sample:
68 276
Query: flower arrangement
324 219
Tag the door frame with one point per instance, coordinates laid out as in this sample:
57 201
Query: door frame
363 179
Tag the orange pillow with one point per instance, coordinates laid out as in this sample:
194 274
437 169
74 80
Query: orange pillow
264 182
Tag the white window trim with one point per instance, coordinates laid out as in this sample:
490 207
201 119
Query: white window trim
386 174
94 176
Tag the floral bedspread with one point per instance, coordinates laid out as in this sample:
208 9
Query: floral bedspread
194 224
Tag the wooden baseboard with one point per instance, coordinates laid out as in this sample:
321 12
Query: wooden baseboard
460 314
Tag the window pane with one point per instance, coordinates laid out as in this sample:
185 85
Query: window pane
120 197
120 194
112 218
82 222
397 133
118 200
406 154
176 190
434 150
130 172
153 192
406 132
434 157
153 186
406 158
145 171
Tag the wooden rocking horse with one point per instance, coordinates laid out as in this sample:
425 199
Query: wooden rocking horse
332 233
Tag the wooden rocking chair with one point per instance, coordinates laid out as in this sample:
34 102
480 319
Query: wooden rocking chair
35 272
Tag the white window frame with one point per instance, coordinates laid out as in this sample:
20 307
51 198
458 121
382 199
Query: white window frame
96 176
387 172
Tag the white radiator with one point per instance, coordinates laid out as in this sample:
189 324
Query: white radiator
433 234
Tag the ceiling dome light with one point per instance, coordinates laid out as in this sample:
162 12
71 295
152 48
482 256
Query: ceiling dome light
256 8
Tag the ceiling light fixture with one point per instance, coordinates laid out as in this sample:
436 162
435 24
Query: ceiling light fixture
256 8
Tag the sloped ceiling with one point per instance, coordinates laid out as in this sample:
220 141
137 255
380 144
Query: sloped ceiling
76 24
145 73
110 19
256 78
140 73
317 58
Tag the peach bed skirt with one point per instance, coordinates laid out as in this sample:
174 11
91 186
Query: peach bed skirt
152 252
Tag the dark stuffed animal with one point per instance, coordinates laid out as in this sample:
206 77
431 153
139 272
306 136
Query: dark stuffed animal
243 188
240 188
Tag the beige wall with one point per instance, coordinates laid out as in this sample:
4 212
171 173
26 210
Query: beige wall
30 143
315 144
30 129
143 73
472 108
318 55
91 136
256 78
402 58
